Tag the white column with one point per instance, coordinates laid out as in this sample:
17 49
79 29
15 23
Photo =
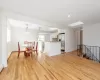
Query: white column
4 40
0 45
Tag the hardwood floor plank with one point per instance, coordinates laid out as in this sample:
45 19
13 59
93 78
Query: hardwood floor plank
61 67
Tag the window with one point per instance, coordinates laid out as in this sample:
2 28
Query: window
41 37
8 35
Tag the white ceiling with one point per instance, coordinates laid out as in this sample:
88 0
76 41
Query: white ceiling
57 11
22 24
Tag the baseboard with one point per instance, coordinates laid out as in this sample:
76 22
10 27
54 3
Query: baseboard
17 51
74 51
71 51
1 68
9 56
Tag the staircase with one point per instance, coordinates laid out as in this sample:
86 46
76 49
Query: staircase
89 52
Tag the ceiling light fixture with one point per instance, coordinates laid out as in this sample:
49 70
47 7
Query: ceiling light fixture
27 29
53 28
76 24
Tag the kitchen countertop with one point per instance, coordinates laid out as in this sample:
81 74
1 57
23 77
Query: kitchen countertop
53 41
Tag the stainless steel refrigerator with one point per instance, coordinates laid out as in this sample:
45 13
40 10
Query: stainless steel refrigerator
61 38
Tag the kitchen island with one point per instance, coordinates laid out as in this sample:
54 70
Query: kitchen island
52 48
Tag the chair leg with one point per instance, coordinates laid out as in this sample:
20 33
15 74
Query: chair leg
18 54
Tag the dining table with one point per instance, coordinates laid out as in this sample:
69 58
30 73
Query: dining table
27 48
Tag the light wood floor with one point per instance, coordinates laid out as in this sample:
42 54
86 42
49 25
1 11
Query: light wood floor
62 67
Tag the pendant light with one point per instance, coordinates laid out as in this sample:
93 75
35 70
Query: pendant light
27 32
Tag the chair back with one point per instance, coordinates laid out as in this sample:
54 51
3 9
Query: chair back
25 42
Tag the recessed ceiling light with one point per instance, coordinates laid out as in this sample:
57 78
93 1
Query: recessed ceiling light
76 24
69 16
53 28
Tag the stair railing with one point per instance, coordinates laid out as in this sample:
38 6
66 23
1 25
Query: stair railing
90 52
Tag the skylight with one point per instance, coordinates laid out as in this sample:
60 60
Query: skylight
22 24
76 24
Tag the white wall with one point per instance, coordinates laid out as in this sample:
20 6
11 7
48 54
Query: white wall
53 35
19 35
0 45
77 33
70 40
47 37
91 35
3 38
4 44
9 48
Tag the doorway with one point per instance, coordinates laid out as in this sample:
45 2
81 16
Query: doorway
81 37
81 41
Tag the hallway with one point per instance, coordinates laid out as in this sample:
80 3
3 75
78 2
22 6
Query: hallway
62 67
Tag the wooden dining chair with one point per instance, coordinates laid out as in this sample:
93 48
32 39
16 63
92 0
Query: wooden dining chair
35 50
25 42
18 50
33 45
27 52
